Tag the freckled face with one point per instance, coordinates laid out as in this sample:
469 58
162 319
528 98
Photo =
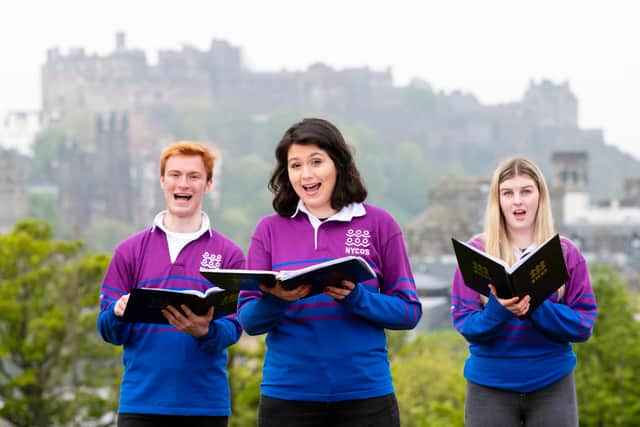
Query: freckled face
184 184
519 198
313 175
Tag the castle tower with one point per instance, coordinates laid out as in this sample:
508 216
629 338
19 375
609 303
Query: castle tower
569 185
121 42
73 176
570 170
551 105
114 195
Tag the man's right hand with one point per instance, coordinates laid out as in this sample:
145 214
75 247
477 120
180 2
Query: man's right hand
121 305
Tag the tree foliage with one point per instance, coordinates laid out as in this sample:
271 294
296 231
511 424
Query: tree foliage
608 368
245 375
52 372
45 207
427 374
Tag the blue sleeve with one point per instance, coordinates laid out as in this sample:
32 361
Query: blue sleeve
260 313
386 311
112 328
118 281
478 324
560 322
574 320
223 332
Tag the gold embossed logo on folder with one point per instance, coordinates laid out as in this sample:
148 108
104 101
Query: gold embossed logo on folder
537 272
480 270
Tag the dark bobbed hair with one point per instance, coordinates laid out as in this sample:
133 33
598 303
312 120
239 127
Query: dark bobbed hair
313 131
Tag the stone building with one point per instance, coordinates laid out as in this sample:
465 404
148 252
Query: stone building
456 209
550 105
121 81
96 181
606 230
124 81
19 129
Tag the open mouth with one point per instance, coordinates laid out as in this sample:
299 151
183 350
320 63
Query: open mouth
311 188
519 213
180 196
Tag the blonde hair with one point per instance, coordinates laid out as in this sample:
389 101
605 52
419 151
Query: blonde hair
188 148
496 238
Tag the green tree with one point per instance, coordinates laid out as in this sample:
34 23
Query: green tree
104 234
608 368
245 375
370 155
408 177
268 132
427 374
244 197
52 370
46 152
45 207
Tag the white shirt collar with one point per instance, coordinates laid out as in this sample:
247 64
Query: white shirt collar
523 253
205 225
345 214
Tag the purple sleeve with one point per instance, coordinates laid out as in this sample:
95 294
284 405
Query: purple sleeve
572 319
226 330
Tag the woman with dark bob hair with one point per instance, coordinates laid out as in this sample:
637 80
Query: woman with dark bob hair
326 362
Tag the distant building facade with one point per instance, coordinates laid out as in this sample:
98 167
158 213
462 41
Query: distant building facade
573 201
456 209
606 231
124 81
19 130
12 190
96 181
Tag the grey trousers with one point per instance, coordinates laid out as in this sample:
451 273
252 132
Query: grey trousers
555 405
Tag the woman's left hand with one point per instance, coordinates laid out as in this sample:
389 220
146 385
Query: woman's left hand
340 292
516 305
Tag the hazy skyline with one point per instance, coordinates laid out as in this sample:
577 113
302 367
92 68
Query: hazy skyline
491 49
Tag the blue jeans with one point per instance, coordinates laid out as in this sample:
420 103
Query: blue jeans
555 405
374 412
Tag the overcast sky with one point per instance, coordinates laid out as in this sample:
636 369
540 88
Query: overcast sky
490 48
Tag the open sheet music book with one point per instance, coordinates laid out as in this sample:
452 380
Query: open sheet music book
352 268
538 274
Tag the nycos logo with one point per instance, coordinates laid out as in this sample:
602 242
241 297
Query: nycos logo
357 242
211 261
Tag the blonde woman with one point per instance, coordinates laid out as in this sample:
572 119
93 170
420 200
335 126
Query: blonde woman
520 372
